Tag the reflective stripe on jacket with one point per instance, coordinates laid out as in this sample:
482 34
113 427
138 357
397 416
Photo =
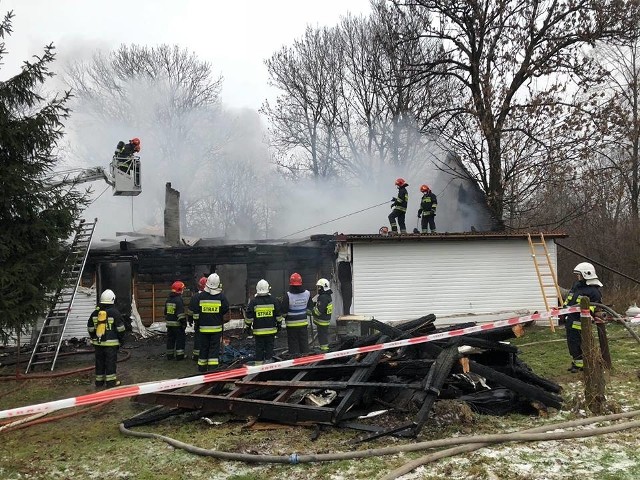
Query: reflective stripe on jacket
323 309
401 200
210 312
262 315
113 326
174 314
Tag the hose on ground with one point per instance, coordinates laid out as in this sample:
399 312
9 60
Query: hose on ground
31 376
474 440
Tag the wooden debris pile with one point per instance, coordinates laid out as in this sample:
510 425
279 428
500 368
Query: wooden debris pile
479 369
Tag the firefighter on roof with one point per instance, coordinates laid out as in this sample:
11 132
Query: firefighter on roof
176 321
106 329
295 305
399 207
428 205
586 285
322 310
212 306
263 314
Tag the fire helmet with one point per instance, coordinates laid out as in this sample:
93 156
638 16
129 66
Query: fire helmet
135 141
588 272
177 287
213 283
262 288
295 279
424 188
201 283
108 297
324 284
400 182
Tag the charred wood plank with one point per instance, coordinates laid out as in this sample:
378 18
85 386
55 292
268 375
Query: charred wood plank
328 385
355 394
433 382
263 409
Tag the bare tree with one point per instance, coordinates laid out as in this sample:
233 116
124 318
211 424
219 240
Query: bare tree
510 59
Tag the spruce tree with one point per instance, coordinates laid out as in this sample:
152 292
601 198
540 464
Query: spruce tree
35 219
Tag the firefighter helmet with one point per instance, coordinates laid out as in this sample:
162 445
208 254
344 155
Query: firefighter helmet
177 287
135 141
424 188
400 182
324 284
262 288
295 279
108 297
213 282
201 283
588 272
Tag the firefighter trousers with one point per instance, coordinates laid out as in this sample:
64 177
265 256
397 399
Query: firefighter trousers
397 214
106 361
264 347
176 340
298 340
209 351
428 222
574 341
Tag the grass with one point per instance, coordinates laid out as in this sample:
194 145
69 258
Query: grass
89 445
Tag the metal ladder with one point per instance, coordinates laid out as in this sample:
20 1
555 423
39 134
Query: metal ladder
547 278
47 346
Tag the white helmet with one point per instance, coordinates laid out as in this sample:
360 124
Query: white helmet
324 283
588 272
262 288
213 283
108 297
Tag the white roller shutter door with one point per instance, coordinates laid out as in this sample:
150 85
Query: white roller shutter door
402 280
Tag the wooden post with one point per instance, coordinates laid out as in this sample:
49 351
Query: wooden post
594 381
604 343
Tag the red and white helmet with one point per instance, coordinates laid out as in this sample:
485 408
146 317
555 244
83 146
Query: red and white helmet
295 279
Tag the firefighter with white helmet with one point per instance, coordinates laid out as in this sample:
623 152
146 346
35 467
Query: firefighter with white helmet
321 313
176 321
263 312
212 306
296 305
588 285
106 329
399 207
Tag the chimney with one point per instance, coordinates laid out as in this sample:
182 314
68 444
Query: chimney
171 216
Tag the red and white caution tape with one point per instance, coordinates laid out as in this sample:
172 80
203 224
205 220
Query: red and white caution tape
142 388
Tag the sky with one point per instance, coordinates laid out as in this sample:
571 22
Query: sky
236 37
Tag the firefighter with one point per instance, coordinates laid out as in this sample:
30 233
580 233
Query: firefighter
125 152
106 329
192 318
263 316
427 211
399 207
212 306
176 321
322 310
295 306
587 284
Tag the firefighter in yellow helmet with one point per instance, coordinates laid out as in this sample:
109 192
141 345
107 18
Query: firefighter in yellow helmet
106 329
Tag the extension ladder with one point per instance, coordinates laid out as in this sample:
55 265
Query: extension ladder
547 278
47 346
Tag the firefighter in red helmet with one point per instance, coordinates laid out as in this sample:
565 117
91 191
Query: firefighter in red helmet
427 211
125 152
193 320
399 207
296 305
176 321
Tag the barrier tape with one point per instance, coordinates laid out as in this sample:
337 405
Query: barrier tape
151 387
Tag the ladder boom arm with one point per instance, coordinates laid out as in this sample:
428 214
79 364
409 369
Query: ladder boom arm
88 175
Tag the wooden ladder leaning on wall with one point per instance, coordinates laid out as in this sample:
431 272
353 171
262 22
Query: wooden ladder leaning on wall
546 275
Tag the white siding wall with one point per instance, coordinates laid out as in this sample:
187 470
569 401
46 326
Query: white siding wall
403 280
84 302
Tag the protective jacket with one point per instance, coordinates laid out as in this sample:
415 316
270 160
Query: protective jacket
323 309
578 290
210 312
428 204
401 201
297 306
262 314
105 326
174 313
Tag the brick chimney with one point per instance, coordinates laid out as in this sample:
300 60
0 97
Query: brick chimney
171 216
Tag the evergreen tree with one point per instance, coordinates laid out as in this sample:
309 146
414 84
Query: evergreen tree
35 219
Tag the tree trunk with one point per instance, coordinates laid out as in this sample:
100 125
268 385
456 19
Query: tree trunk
594 382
